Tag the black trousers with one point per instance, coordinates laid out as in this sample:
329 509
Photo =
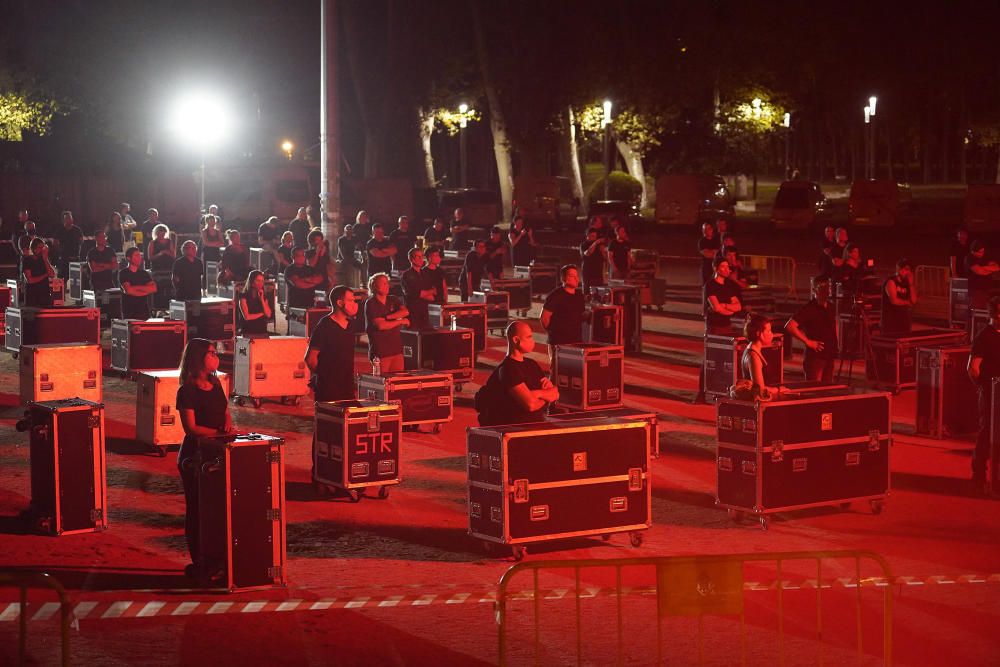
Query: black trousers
817 368
982 452
189 478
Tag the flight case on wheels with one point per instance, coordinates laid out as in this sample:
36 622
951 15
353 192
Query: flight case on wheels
590 375
302 321
445 350
357 446
241 497
626 296
946 398
212 318
825 447
470 316
425 397
623 412
518 288
497 308
604 325
157 422
270 368
894 366
722 363
30 325
548 481
68 490
147 345
52 372
108 301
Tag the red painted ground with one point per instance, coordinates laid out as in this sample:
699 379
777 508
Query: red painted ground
415 543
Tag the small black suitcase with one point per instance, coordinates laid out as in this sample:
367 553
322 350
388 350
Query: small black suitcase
590 375
425 397
446 350
518 288
79 280
722 363
543 277
946 397
547 481
821 447
302 321
626 296
357 446
30 325
68 479
212 318
604 324
109 302
241 518
147 345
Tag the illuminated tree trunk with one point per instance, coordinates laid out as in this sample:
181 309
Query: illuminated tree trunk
498 125
426 130
633 162
570 154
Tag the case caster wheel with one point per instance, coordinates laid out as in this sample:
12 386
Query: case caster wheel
356 496
635 538
877 506
436 429
256 403
606 537
518 551
762 519
383 492
321 490
161 452
239 401
296 400
735 515
458 388
42 524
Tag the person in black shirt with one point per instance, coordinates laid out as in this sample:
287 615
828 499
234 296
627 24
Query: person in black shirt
620 254
102 262
522 243
459 231
496 250
563 312
435 274
299 227
402 240
137 286
255 310
283 253
187 272
473 271
235 263
517 391
212 240
148 226
68 239
384 316
849 273
984 366
593 257
267 234
900 295
959 251
37 272
204 412
318 257
436 234
161 250
720 301
330 356
301 280
979 271
815 324
115 233
831 260
708 246
418 292
380 251
347 258
363 229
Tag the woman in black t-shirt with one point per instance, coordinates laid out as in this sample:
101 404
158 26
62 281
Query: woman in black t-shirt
255 311
37 271
211 239
204 412
115 233
161 251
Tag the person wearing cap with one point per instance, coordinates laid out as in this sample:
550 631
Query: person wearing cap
899 296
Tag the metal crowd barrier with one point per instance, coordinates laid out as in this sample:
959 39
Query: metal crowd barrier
932 283
713 600
28 580
773 271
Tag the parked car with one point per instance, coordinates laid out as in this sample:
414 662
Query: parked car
878 203
546 201
799 205
689 199
616 208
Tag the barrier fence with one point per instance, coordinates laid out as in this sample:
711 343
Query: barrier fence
708 608
773 271
932 284
25 581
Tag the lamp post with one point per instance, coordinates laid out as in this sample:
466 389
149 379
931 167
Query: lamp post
463 121
201 121
787 122
871 105
606 125
868 142
287 147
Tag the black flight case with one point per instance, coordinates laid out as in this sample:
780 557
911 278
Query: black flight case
425 397
30 325
820 447
590 375
893 361
357 446
445 350
946 397
467 315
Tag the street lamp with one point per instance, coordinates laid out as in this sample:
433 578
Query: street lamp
868 142
787 123
201 121
606 125
872 101
287 147
463 121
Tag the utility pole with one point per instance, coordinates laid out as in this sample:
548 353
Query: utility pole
329 136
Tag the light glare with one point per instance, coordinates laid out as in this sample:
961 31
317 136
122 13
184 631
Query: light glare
201 120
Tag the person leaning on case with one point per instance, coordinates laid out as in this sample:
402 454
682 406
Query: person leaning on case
204 413
984 366
758 334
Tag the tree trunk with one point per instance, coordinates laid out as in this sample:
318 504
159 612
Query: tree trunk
498 126
633 162
426 130
354 58
572 154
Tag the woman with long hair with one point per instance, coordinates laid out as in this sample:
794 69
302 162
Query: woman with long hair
758 333
115 232
204 412
161 251
255 311
212 240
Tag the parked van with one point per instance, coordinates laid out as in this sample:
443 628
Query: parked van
688 199
878 203
798 205
982 207
546 201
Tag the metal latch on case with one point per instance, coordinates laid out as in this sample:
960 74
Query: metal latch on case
800 464
777 451
359 469
475 461
373 422
635 479
873 440
618 504
520 487
725 464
